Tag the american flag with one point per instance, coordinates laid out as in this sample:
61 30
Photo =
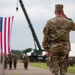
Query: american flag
5 34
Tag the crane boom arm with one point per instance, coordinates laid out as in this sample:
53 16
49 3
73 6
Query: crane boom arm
30 25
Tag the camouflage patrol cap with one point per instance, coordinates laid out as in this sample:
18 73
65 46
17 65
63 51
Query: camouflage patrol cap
58 7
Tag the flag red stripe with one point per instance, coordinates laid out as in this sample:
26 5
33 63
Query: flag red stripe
5 36
8 34
0 43
0 39
12 18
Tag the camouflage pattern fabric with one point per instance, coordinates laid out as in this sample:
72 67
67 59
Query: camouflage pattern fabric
59 7
14 57
25 58
25 61
59 61
5 61
56 33
56 40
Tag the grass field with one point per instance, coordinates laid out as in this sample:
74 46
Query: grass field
44 65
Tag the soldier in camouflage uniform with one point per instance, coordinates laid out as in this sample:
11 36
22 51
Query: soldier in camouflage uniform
25 59
5 61
14 61
56 40
10 57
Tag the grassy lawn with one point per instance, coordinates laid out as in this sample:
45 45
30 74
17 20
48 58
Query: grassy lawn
44 65
71 69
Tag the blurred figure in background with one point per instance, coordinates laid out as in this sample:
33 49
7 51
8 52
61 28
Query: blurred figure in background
5 61
14 61
25 59
10 58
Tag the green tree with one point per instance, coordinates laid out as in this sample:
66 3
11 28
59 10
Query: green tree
27 50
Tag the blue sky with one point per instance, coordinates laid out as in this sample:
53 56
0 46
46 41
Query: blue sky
39 12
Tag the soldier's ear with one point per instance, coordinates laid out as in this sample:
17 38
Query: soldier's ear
55 11
63 13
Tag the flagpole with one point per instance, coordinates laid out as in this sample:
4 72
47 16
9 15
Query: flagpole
3 65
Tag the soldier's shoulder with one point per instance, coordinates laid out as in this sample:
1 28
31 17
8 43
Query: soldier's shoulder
52 20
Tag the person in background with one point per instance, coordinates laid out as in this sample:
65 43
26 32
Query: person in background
1 59
14 61
56 40
25 59
5 61
10 58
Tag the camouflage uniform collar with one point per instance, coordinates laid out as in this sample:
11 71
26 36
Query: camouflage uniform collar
60 16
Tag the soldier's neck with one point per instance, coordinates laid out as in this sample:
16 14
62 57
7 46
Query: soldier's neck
59 15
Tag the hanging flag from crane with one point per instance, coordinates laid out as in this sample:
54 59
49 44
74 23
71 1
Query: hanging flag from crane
5 34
